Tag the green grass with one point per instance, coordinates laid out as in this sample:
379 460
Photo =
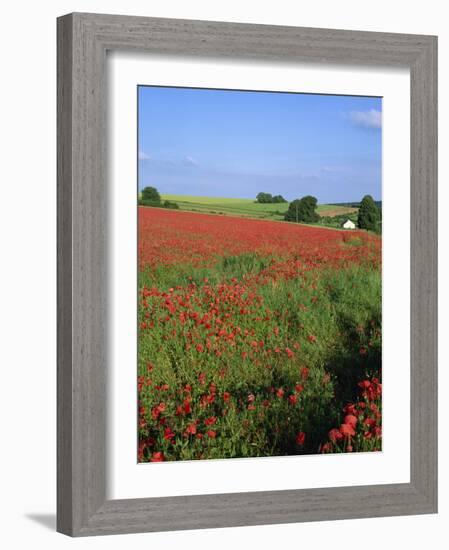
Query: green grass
341 308
246 208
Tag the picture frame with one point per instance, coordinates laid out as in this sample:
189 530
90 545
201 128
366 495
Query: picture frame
83 40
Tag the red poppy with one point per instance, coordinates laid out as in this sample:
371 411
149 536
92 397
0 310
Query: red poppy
210 398
347 430
335 435
293 399
300 438
157 457
168 434
351 420
212 434
156 411
349 409
304 373
191 429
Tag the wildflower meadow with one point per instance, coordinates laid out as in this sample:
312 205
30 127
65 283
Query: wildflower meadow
256 338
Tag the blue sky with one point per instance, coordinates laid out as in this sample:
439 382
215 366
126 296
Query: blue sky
222 143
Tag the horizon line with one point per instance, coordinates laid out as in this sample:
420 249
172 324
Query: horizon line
253 198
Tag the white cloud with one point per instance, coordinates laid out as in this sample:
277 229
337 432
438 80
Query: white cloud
190 160
367 119
143 156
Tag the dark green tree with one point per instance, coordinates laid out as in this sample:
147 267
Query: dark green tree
294 211
264 198
172 205
278 199
302 210
369 215
151 195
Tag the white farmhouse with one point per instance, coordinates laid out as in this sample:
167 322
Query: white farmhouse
348 224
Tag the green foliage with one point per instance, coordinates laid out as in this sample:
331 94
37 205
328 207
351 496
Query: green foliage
171 204
369 215
264 198
245 208
341 308
278 199
143 202
337 221
165 204
302 210
151 195
267 198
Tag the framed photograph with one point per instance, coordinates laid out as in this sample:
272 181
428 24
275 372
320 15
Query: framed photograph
247 274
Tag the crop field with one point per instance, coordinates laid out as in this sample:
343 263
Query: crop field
255 338
245 207
335 210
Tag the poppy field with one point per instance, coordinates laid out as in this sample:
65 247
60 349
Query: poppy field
256 338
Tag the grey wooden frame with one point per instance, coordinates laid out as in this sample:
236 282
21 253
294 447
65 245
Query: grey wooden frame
83 40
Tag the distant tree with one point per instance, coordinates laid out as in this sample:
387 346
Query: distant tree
302 210
369 214
151 195
294 211
264 198
170 204
278 199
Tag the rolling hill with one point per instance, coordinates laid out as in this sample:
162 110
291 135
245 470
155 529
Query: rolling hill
246 208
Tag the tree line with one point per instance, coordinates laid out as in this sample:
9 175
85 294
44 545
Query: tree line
299 210
304 211
268 198
150 197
